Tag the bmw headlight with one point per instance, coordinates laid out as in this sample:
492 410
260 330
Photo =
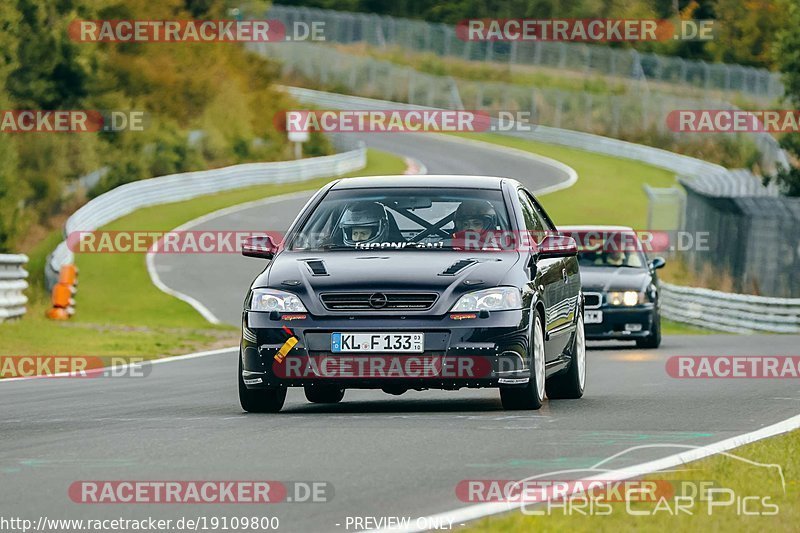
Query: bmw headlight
274 300
497 299
627 298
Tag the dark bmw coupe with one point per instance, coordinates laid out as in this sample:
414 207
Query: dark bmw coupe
415 282
620 285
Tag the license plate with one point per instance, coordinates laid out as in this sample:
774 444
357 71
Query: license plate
593 317
378 342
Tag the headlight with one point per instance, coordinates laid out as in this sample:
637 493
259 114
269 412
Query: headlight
273 300
497 299
627 298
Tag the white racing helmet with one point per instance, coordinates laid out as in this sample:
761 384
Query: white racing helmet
368 220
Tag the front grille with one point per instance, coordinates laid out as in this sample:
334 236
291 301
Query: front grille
591 300
366 301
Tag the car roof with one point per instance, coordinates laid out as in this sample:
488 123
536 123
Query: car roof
597 228
420 181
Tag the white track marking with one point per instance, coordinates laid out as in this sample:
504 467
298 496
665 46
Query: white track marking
482 510
168 359
199 307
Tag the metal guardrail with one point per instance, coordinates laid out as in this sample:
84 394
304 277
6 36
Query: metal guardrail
177 187
737 313
677 163
12 284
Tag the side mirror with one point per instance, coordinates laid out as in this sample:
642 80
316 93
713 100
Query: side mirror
657 262
261 246
557 246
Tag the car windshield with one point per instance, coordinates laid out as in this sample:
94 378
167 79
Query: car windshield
603 248
611 259
400 218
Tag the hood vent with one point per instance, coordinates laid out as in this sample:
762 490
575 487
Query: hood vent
458 266
317 267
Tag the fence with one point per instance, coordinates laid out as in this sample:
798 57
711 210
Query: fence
12 285
665 207
177 187
723 311
441 40
753 239
631 115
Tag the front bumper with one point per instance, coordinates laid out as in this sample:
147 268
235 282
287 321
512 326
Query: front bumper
620 323
460 350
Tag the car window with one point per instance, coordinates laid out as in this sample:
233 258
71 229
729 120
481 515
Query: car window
543 218
400 218
532 222
608 248
611 259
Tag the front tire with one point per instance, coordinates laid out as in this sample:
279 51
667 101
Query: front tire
323 394
653 340
530 396
571 384
269 400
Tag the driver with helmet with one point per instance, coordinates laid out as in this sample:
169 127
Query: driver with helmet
473 221
475 215
364 222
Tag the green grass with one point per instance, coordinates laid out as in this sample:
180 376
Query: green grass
118 309
668 327
744 479
608 191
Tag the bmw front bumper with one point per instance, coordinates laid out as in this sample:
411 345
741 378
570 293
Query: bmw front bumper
620 323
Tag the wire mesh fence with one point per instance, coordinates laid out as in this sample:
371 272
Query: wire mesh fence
754 240
441 40
630 116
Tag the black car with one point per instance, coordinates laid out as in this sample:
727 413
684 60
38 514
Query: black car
620 285
399 283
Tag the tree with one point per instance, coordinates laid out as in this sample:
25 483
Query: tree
52 70
745 31
9 191
787 56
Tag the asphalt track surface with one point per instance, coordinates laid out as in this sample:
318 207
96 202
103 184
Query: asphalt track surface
384 455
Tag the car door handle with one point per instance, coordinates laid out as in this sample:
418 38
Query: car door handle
564 275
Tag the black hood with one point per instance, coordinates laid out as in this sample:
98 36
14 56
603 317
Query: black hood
440 272
600 279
